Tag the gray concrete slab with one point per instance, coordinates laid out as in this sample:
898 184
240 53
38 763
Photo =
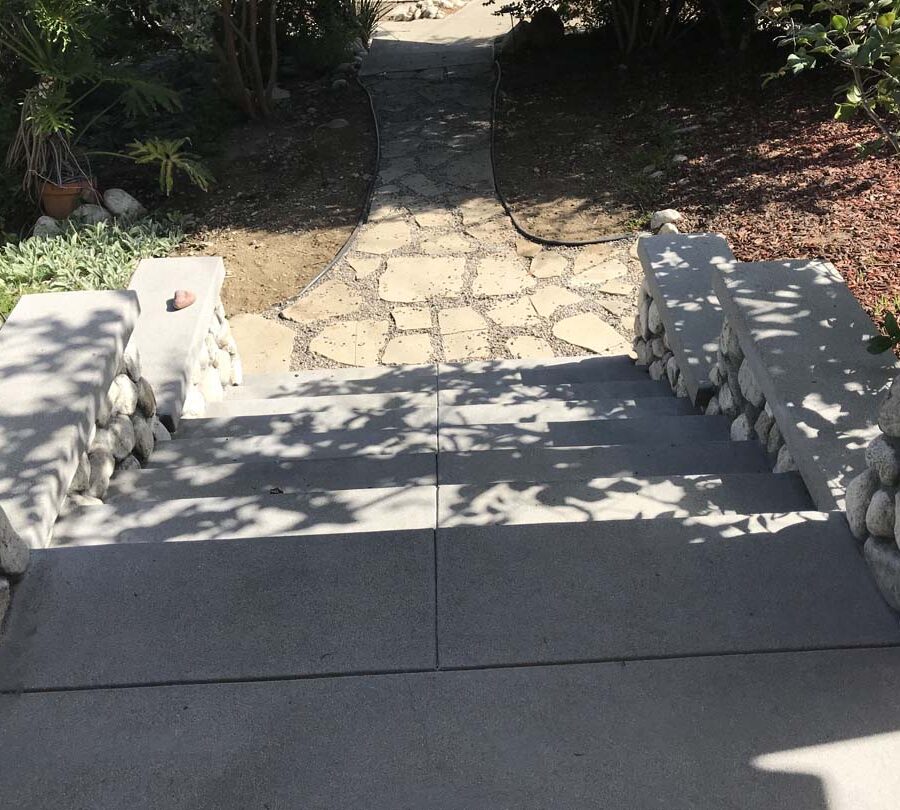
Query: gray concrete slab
554 410
679 269
806 731
337 381
265 477
192 519
583 463
243 419
804 336
634 498
167 339
59 352
514 595
350 406
222 610
658 431
293 445
489 374
514 394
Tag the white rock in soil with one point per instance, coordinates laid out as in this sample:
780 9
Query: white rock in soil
103 464
128 463
237 370
741 429
123 395
857 499
669 227
672 372
143 438
763 425
657 370
883 456
666 216
775 440
679 158
91 214
82 478
729 344
210 385
339 85
654 321
121 432
146 398
120 203
194 404
223 366
889 411
785 462
160 431
712 407
880 515
749 387
46 227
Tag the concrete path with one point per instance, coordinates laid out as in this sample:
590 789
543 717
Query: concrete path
438 272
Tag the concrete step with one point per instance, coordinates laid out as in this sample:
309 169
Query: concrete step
554 410
292 444
271 515
804 730
260 608
664 587
631 498
329 410
516 394
580 463
272 476
650 430
337 382
257 417
491 374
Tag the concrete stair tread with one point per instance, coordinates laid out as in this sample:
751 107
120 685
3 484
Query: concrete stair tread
803 730
537 463
260 477
515 595
337 407
516 394
554 410
631 498
260 608
654 430
489 374
270 515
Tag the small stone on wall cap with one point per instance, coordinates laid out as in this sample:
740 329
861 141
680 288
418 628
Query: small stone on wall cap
183 299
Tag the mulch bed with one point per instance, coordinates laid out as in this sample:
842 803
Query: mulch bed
769 168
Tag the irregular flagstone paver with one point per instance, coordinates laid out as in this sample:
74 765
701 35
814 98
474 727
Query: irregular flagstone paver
421 185
396 169
384 237
591 261
265 345
526 248
594 254
408 349
434 218
466 346
524 347
590 331
383 211
354 343
598 274
460 319
410 319
501 276
547 300
516 313
416 278
495 231
617 287
363 266
548 265
449 243
480 209
330 299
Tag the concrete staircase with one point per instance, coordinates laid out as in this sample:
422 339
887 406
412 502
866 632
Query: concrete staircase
484 585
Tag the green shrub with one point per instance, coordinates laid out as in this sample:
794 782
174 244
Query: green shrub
90 257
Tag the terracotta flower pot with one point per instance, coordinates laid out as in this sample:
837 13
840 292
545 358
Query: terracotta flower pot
59 201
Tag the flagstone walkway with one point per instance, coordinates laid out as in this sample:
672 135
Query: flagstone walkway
438 272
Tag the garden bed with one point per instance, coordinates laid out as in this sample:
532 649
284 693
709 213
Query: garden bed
769 168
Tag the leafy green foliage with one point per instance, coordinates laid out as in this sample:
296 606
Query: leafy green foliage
862 37
368 14
170 155
889 340
90 257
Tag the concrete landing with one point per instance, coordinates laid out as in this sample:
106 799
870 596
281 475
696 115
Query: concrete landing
806 731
